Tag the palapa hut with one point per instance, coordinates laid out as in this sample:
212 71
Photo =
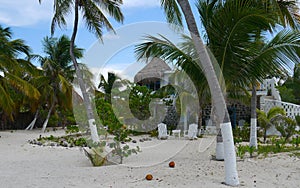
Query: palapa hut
154 74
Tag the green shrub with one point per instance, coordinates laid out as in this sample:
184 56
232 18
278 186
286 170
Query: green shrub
242 133
241 150
295 141
286 127
124 151
72 129
298 120
80 142
251 150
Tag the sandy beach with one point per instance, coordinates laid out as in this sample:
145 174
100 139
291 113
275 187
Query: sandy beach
23 165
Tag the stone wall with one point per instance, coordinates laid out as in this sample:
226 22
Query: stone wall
237 111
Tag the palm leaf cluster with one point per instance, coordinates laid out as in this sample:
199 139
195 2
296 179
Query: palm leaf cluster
13 78
233 35
93 14
26 88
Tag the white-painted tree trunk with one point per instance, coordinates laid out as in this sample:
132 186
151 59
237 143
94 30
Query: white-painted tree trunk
47 118
93 129
231 176
253 125
253 133
86 99
31 125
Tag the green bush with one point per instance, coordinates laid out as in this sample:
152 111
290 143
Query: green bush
295 141
242 133
297 120
286 127
241 150
72 129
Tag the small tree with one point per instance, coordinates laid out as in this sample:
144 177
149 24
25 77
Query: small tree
115 127
286 127
266 120
139 100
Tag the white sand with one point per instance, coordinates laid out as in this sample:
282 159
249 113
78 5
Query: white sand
24 165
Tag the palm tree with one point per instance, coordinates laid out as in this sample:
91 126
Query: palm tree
173 10
14 73
287 15
93 15
233 33
107 86
54 80
266 120
246 58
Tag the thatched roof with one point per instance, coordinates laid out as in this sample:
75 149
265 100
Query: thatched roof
154 69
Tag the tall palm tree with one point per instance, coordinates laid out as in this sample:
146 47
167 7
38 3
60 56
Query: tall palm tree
287 15
276 51
173 10
95 19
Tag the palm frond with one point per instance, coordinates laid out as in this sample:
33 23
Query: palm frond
62 8
23 86
112 8
95 18
279 53
6 104
172 11
275 111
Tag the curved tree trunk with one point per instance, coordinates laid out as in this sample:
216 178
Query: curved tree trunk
86 99
47 118
31 125
253 129
231 175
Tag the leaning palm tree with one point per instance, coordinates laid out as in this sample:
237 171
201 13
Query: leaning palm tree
95 19
174 10
271 55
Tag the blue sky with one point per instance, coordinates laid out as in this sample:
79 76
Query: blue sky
30 21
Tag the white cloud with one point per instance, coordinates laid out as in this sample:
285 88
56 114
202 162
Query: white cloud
24 12
30 12
140 3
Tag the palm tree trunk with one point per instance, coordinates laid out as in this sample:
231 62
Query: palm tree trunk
253 129
231 175
31 125
47 118
199 116
86 99
265 135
